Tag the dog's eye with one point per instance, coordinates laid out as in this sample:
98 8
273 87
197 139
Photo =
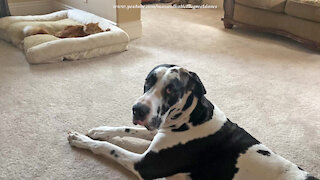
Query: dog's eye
168 90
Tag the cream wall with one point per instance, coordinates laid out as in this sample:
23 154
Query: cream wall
103 8
219 3
30 7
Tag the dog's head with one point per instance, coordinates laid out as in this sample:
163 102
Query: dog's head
167 88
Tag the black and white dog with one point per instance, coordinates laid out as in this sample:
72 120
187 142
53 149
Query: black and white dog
194 137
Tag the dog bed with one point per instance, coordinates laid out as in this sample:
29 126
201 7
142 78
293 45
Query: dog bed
46 48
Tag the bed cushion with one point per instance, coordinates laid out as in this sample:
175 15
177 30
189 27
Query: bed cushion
38 39
55 50
306 9
49 49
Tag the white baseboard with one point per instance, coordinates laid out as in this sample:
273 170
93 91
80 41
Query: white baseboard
134 29
31 7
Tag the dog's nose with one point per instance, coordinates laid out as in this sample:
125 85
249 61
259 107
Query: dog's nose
140 111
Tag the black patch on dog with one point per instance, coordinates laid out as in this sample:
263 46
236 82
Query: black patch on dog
211 157
164 109
150 81
309 177
152 77
174 70
171 111
158 110
176 91
300 168
165 65
263 152
203 112
176 116
155 122
198 88
188 102
113 152
184 127
127 130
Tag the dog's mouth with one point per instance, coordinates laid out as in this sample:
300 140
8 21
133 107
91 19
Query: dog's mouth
137 122
143 124
150 126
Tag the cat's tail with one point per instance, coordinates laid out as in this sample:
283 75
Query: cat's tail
33 30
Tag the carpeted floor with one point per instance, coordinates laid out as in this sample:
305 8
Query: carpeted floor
267 84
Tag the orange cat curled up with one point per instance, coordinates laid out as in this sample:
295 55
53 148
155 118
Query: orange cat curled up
68 32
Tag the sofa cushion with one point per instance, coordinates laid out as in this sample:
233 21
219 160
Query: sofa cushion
270 5
306 9
277 22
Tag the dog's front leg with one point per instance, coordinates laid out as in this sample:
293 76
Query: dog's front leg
106 132
122 156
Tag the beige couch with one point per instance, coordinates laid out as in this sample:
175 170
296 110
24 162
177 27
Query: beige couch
296 19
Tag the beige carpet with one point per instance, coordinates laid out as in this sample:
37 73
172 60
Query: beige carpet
267 84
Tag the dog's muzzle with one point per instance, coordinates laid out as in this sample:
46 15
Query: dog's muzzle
140 112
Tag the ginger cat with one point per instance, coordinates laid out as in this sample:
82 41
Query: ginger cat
68 32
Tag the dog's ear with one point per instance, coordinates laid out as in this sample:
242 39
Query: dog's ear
196 85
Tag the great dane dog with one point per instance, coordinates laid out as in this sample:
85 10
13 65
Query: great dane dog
190 136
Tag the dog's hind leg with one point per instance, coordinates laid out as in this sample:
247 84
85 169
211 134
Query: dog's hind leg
122 156
106 132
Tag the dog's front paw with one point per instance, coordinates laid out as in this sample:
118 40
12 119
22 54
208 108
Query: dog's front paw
79 140
102 133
